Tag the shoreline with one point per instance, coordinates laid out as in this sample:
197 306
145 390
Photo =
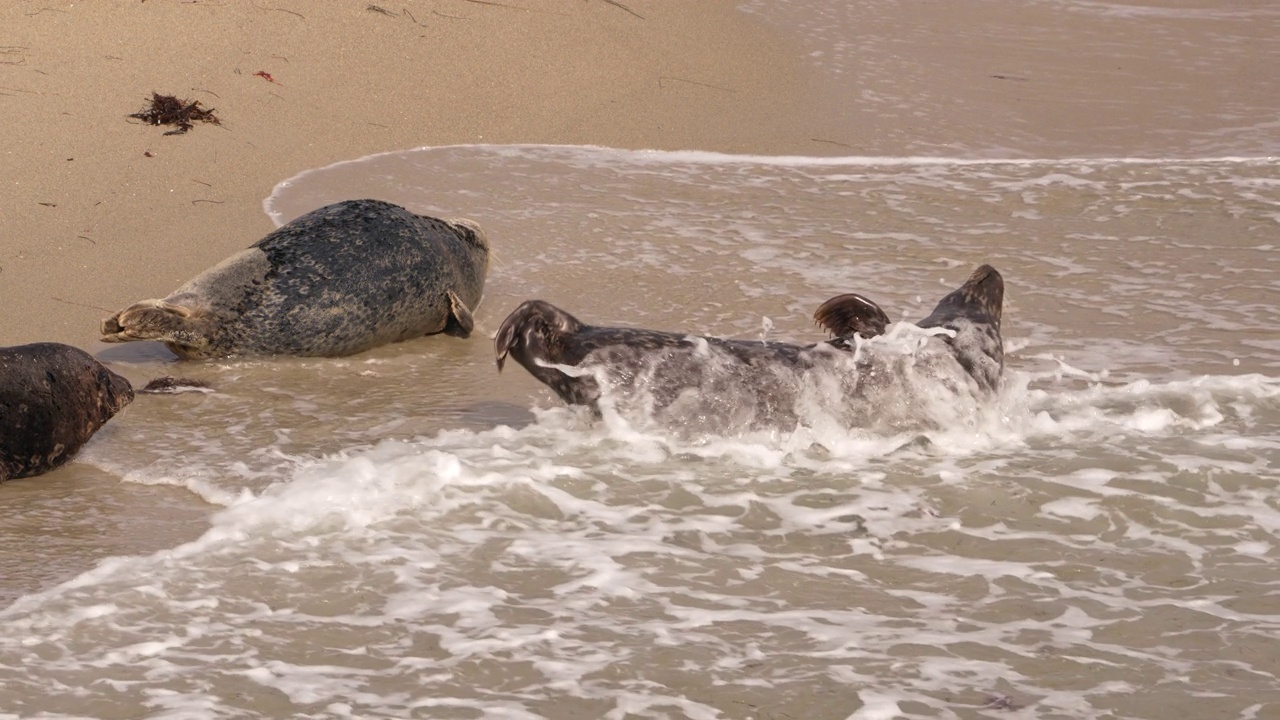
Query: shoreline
105 211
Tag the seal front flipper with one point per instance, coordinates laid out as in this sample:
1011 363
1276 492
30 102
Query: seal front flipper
178 326
845 315
459 323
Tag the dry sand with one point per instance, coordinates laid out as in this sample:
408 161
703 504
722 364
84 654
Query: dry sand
100 210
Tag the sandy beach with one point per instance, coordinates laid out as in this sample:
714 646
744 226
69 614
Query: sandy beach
102 210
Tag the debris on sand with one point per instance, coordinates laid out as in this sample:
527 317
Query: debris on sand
169 110
169 384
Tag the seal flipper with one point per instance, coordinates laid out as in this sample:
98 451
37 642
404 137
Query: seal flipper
180 327
460 323
845 315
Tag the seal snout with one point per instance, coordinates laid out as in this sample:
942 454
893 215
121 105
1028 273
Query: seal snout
470 231
119 391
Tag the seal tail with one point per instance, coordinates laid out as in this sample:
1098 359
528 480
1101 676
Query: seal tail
980 299
534 331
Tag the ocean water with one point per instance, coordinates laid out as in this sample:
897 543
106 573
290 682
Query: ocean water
408 533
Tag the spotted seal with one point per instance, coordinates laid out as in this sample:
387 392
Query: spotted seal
53 398
711 376
336 281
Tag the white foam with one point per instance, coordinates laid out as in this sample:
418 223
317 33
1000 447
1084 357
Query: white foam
591 155
877 706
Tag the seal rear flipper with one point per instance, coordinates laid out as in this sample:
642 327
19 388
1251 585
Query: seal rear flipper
460 323
149 320
845 315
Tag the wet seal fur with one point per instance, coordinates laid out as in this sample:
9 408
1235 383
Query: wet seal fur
53 398
337 281
560 351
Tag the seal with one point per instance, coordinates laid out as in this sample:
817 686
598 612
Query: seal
337 281
759 381
53 398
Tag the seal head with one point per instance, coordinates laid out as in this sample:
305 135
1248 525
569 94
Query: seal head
53 398
972 313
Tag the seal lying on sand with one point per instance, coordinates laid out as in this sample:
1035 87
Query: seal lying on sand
53 398
760 382
336 281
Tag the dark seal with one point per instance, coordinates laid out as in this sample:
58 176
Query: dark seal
336 281
761 381
53 398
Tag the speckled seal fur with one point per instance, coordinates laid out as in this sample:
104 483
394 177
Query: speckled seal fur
53 398
547 341
336 281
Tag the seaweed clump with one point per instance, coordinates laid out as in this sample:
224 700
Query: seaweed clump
169 110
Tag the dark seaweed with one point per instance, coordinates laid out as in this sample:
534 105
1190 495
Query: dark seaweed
169 110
